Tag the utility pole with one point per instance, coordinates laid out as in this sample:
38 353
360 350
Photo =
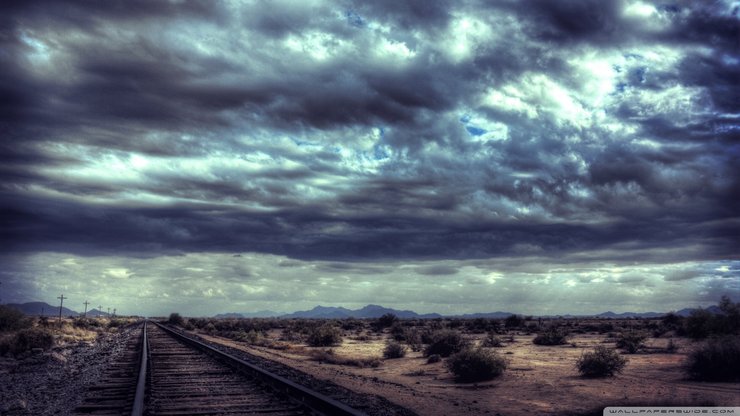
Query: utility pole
61 302
108 312
114 312
100 309
84 314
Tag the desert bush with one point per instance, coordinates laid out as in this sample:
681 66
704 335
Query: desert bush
114 323
702 323
394 350
12 319
601 362
671 321
492 340
175 319
324 336
481 325
717 360
470 365
551 336
631 342
198 323
445 343
427 335
513 321
329 357
398 332
209 328
412 337
351 324
86 323
699 324
386 321
288 334
434 358
27 339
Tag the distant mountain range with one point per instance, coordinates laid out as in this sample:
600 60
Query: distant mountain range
376 311
41 309
369 311
44 309
258 314
332 312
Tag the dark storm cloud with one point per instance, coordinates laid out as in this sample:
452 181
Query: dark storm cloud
574 21
439 270
348 131
683 275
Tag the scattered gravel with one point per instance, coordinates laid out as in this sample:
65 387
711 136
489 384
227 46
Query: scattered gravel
55 382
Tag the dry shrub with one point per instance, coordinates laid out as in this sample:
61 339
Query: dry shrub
631 342
28 339
394 350
492 340
551 336
601 362
329 357
471 365
717 360
12 319
324 336
445 343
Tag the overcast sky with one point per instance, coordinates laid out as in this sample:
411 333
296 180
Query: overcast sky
538 157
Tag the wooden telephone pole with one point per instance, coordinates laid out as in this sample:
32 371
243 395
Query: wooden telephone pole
84 315
61 302
100 309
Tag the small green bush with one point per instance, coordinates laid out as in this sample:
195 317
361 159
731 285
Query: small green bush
471 365
386 321
12 319
394 350
176 319
631 342
324 336
513 321
85 323
27 339
492 340
445 343
702 323
115 323
329 357
413 338
551 336
602 362
717 360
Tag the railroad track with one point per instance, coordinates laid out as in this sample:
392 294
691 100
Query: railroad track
116 391
167 373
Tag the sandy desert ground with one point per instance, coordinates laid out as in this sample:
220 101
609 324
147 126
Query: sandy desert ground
538 380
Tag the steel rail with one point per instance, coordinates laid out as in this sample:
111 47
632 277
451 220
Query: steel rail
138 408
315 401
